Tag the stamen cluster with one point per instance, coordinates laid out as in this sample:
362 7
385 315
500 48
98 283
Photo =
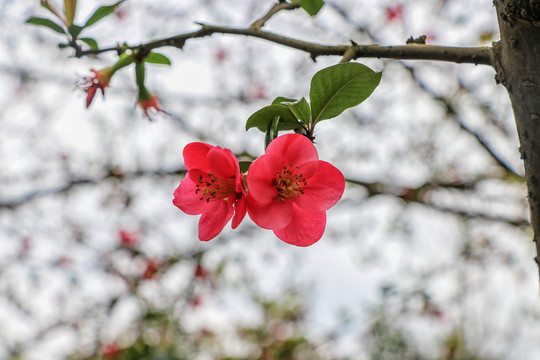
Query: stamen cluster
289 183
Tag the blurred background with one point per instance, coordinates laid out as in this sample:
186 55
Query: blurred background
427 256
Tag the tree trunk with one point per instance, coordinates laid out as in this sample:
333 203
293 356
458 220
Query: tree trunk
517 63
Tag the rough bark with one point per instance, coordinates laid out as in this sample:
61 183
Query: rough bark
517 63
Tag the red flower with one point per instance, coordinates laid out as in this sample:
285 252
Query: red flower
148 104
213 187
110 351
100 80
290 190
394 13
221 55
128 239
201 272
195 301
151 269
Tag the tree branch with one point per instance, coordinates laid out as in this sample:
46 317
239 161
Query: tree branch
473 55
516 65
259 23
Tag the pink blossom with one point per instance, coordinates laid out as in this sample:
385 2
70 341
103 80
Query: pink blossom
200 272
151 268
195 301
150 105
100 80
290 190
212 187
128 239
394 13
221 55
110 351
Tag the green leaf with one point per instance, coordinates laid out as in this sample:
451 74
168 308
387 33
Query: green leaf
90 42
299 108
74 30
339 87
62 45
157 58
47 23
301 111
272 131
312 7
101 12
244 166
262 118
281 99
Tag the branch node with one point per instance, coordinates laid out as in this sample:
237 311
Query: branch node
281 5
350 54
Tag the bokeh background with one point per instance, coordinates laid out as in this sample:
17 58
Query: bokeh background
427 256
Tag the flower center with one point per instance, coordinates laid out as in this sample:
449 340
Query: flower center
211 187
289 183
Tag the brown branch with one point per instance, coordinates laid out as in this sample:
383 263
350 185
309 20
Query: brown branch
474 55
259 23
421 195
517 58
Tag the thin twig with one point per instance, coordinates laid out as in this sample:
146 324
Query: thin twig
259 23
451 110
421 195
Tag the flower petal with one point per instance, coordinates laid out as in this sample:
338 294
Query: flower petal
186 198
90 92
214 219
293 149
240 208
223 162
305 228
196 174
195 154
241 182
262 173
273 215
323 190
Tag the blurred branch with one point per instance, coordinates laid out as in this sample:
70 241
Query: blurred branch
486 108
422 194
112 174
451 110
